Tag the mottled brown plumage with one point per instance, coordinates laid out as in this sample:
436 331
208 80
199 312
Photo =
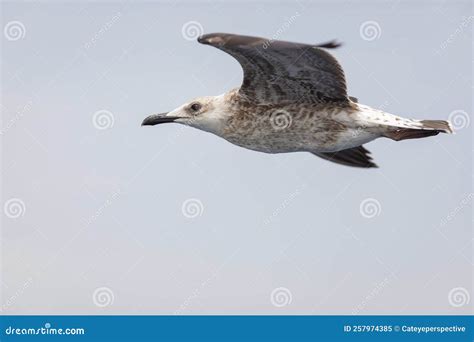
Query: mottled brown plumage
293 98
279 72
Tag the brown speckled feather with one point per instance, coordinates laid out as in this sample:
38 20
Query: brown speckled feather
293 98
279 72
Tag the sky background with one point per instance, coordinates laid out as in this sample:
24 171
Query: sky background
102 216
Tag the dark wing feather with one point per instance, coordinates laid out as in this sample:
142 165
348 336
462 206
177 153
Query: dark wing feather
277 71
357 157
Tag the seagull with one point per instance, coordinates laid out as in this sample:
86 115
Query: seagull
293 98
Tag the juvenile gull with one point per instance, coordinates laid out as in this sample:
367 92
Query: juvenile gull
293 98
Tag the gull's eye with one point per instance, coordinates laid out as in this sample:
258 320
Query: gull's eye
196 107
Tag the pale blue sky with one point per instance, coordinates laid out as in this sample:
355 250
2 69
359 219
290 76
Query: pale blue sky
103 207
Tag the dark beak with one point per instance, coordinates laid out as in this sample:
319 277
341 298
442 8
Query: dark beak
156 119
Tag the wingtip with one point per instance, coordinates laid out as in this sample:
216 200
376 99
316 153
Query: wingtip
333 44
215 39
203 38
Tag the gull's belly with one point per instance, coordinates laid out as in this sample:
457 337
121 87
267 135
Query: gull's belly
281 142
315 133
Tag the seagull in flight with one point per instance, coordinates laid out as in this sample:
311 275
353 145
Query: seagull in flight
293 98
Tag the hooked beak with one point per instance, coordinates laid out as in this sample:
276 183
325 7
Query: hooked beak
156 119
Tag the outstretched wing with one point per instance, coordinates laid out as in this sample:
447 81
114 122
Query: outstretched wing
277 71
356 156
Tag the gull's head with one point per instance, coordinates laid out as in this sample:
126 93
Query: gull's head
206 113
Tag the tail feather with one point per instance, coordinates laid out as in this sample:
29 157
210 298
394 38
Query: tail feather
438 125
427 128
